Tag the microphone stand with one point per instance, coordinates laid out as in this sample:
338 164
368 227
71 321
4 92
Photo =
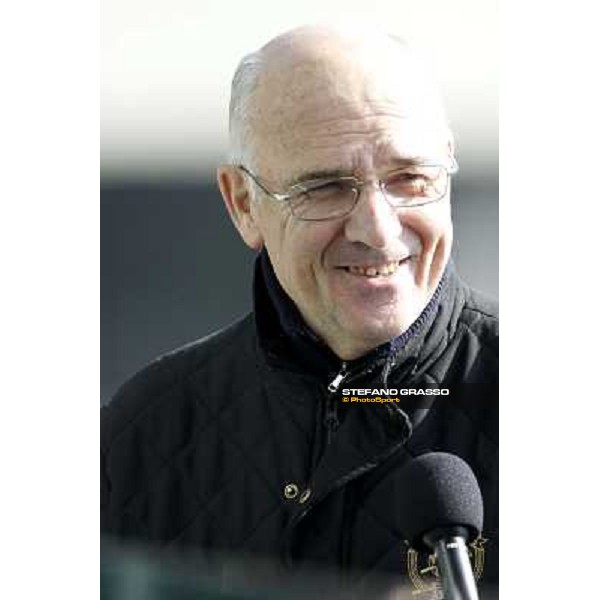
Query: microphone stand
452 559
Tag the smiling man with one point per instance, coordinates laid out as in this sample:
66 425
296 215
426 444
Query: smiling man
243 442
360 263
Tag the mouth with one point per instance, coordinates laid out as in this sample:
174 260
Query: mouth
379 270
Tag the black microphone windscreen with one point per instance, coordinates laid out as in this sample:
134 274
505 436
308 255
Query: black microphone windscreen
437 490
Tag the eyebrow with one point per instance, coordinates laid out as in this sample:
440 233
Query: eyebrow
400 162
318 174
396 163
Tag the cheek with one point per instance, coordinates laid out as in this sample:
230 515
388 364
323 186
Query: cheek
309 240
306 248
272 225
296 249
431 226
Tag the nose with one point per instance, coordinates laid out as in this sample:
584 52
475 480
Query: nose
373 221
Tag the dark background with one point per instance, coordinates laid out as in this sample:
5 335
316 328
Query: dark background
173 268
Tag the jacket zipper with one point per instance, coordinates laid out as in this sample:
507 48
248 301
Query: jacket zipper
331 423
331 420
337 380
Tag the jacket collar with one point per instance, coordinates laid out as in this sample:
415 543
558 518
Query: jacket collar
285 337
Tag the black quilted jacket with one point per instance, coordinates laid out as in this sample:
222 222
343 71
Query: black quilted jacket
227 445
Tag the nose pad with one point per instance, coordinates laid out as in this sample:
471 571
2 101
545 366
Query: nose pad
374 221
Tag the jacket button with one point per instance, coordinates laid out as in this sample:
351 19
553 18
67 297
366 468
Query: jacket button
290 491
304 496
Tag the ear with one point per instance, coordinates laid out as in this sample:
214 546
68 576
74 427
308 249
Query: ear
451 146
236 196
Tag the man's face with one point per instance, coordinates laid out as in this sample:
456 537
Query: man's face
360 280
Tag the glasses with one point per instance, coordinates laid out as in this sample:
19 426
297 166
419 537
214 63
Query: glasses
335 197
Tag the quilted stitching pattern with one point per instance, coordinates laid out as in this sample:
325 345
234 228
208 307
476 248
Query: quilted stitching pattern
199 447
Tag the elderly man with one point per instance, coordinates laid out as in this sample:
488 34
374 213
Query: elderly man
281 436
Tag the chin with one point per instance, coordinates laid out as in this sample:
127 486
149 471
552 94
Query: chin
373 333
382 322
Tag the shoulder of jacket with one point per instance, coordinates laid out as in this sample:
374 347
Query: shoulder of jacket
481 316
158 381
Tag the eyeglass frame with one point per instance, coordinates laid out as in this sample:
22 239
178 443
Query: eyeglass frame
451 169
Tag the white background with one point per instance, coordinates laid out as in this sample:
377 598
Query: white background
166 69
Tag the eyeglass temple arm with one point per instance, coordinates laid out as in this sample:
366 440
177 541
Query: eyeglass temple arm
274 195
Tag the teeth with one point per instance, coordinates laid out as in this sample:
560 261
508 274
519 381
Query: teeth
368 271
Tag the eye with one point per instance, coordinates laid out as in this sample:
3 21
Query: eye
409 183
327 190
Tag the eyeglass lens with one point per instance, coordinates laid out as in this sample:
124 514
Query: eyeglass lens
406 187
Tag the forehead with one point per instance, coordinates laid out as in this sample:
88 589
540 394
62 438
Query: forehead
336 112
349 140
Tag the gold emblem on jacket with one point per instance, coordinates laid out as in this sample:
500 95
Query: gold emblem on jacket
426 579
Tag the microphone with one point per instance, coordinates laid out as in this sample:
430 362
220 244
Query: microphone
440 508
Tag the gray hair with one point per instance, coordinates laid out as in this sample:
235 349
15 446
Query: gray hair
243 86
